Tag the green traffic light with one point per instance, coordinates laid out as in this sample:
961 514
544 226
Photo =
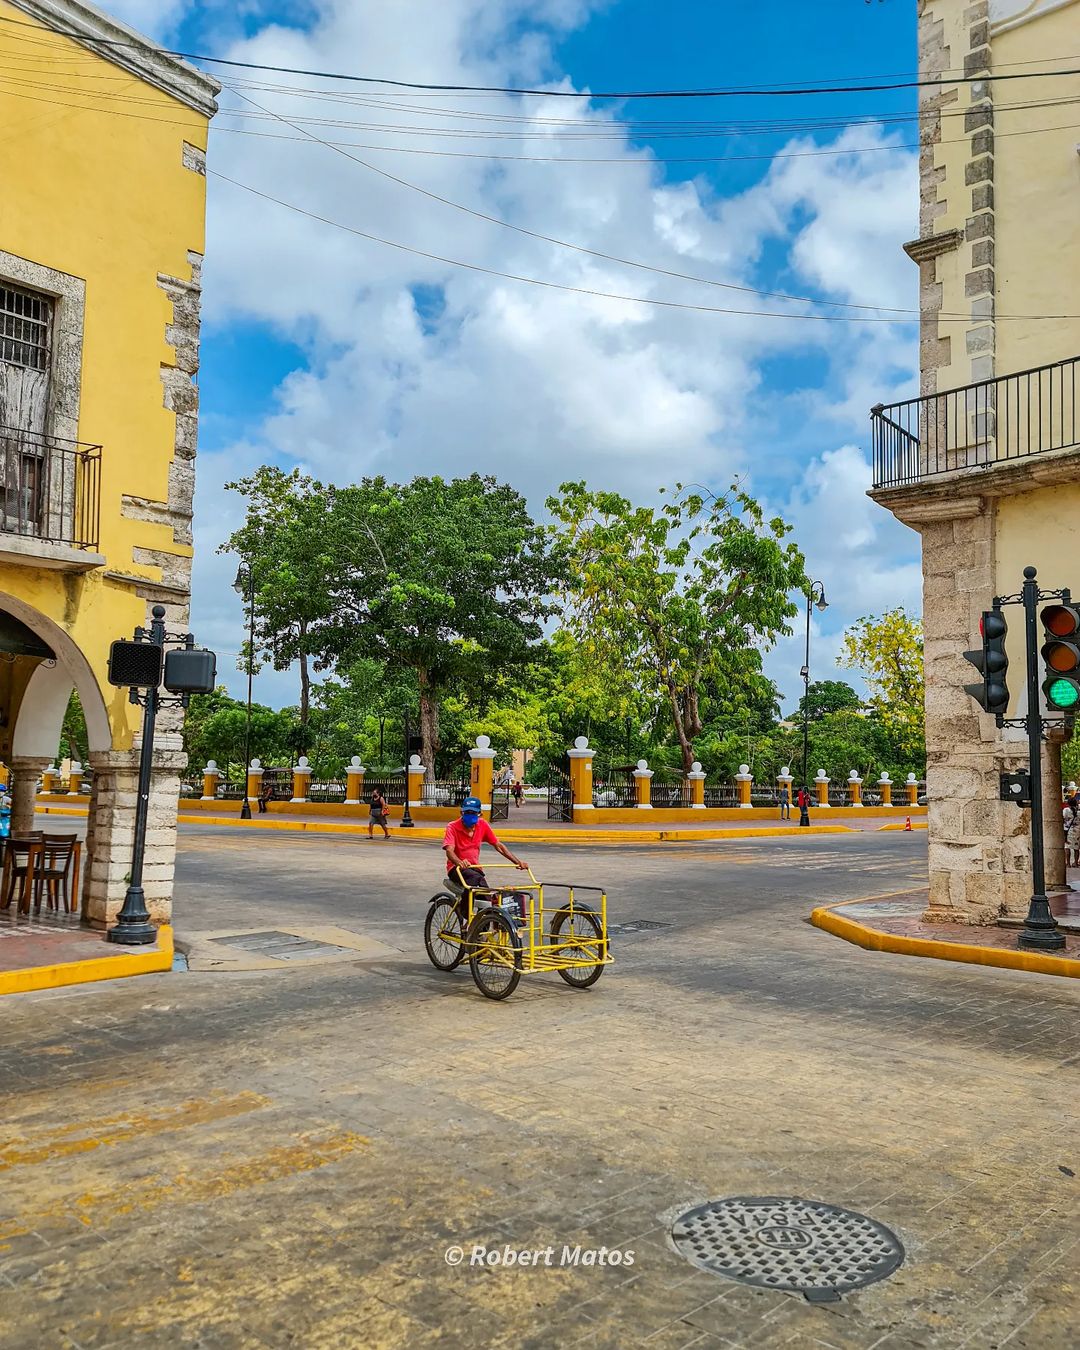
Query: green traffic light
1062 694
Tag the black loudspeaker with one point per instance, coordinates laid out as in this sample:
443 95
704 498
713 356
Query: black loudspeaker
136 664
190 671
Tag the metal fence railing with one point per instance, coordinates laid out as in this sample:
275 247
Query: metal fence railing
615 787
977 425
50 488
670 794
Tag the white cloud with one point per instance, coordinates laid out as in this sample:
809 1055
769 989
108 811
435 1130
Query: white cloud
154 18
538 385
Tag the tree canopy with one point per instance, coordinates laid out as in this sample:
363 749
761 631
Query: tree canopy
673 599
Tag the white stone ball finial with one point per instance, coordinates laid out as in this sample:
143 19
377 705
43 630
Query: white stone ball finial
356 762
743 768
581 742
643 763
483 742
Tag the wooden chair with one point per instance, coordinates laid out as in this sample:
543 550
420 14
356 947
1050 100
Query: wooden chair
56 865
21 858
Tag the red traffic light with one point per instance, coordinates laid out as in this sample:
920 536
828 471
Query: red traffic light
1061 620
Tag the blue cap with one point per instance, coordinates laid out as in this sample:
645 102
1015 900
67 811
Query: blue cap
470 810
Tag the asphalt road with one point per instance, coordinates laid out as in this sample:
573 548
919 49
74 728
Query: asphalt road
284 1157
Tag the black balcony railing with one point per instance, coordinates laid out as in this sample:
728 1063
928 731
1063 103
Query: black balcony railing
977 425
50 488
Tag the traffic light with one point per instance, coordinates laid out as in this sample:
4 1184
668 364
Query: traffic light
1061 655
992 692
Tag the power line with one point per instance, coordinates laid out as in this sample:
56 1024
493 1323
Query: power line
768 91
582 290
647 157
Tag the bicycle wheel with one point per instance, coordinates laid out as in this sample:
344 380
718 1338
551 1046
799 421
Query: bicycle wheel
580 923
494 954
444 935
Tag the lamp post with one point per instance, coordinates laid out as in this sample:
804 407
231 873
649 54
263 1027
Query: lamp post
244 586
406 817
815 595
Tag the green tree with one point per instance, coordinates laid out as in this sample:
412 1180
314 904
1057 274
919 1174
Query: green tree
445 579
889 653
287 541
216 728
73 739
827 696
671 601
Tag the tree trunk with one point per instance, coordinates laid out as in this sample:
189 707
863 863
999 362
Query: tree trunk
677 718
305 699
429 723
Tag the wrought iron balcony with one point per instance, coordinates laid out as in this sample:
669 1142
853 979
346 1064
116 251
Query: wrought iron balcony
50 489
976 426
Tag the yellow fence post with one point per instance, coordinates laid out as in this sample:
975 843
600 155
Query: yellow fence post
854 788
416 773
210 776
643 785
75 779
784 780
745 780
254 780
695 781
354 782
821 786
49 778
912 785
581 758
885 787
301 780
481 771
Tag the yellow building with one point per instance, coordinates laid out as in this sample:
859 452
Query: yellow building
986 463
102 197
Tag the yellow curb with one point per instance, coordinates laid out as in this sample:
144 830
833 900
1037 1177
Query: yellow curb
872 939
535 836
95 968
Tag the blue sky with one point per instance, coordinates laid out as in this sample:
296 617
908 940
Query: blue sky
346 357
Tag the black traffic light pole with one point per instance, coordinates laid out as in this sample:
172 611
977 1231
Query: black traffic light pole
1041 932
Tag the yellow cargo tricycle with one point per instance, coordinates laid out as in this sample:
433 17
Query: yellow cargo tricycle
507 931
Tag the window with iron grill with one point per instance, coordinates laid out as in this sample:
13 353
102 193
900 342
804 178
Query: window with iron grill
25 318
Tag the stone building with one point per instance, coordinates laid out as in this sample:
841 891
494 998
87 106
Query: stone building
102 167
985 464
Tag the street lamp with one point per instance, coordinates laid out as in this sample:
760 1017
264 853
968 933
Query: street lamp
406 815
244 586
815 595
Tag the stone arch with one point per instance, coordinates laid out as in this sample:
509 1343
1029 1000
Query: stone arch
41 712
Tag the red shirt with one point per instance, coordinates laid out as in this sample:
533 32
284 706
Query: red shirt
466 843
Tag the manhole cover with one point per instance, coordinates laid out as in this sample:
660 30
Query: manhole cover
781 1242
637 926
281 946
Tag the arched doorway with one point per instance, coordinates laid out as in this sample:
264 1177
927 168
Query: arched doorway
40 666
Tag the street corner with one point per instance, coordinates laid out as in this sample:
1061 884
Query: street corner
897 923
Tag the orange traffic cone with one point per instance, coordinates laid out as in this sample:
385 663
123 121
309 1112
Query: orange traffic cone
907 825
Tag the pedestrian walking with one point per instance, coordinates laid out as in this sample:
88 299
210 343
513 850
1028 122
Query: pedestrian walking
378 810
785 803
1071 821
518 792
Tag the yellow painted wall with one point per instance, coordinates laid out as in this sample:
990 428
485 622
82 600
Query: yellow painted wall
94 186
1036 195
